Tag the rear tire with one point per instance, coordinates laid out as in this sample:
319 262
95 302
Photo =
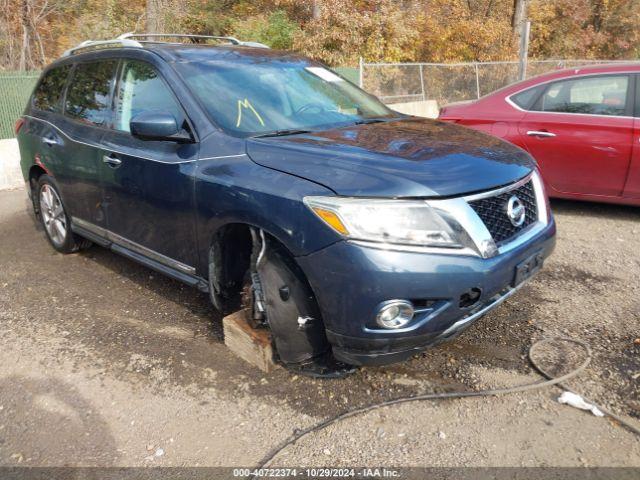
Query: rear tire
54 218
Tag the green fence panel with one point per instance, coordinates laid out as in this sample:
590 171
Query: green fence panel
15 89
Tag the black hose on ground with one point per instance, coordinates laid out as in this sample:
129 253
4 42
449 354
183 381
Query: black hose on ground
544 373
298 434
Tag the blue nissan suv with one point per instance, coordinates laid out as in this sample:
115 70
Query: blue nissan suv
355 234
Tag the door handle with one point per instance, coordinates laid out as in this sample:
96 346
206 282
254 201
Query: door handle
50 141
113 162
540 133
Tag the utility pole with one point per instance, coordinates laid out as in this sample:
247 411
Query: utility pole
521 28
524 50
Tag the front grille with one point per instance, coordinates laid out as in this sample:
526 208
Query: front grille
493 212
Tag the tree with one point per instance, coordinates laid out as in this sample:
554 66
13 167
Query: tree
585 29
24 24
164 16
33 32
463 30
519 16
345 30
155 15
276 30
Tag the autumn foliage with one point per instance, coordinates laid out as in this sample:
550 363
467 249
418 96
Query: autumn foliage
32 32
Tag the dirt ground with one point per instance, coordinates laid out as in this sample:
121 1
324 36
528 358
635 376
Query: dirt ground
106 363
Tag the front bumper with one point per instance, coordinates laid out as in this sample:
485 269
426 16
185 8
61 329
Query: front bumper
351 280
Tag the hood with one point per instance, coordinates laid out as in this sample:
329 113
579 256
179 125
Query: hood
404 158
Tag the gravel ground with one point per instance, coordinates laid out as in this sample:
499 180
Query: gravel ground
104 362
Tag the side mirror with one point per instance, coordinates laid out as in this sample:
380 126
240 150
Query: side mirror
158 126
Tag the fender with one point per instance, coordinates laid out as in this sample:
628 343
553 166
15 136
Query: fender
268 200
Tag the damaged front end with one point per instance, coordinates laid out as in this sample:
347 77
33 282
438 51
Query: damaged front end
276 295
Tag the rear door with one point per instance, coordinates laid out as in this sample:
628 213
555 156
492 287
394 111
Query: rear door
149 185
41 141
581 132
86 115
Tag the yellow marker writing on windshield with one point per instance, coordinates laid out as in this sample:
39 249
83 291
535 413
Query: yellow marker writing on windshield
246 104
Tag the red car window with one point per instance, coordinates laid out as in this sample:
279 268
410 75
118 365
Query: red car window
602 95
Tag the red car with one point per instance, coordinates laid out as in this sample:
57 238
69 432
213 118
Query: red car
581 125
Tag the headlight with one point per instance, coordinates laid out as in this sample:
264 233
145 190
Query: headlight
402 222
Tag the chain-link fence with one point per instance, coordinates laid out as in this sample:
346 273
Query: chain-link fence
450 82
15 88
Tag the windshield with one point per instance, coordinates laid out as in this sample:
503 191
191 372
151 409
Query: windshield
258 98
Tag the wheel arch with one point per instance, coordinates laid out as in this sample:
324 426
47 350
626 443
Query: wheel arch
232 249
35 172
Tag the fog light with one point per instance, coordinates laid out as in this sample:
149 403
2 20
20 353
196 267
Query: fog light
394 314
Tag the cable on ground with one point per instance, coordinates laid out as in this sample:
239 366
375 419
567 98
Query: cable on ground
299 434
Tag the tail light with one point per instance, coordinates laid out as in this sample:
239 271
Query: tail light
18 125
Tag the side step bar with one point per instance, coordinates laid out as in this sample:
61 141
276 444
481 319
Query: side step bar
191 280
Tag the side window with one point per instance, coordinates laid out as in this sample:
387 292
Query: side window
89 92
48 94
605 95
526 98
142 90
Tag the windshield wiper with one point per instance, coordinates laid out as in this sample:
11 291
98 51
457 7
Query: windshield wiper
281 133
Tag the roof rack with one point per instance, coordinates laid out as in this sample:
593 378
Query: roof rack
98 44
136 40
149 37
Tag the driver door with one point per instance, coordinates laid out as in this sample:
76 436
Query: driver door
149 184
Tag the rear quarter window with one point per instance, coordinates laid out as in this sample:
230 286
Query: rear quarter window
48 93
89 93
526 98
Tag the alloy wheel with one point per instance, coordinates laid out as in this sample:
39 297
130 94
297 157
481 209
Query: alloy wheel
53 216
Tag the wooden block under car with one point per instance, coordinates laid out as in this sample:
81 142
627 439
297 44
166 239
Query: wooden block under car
251 344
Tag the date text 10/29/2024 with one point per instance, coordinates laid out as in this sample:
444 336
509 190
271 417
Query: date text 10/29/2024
316 473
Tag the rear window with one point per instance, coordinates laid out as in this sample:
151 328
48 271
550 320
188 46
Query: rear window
49 91
89 92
